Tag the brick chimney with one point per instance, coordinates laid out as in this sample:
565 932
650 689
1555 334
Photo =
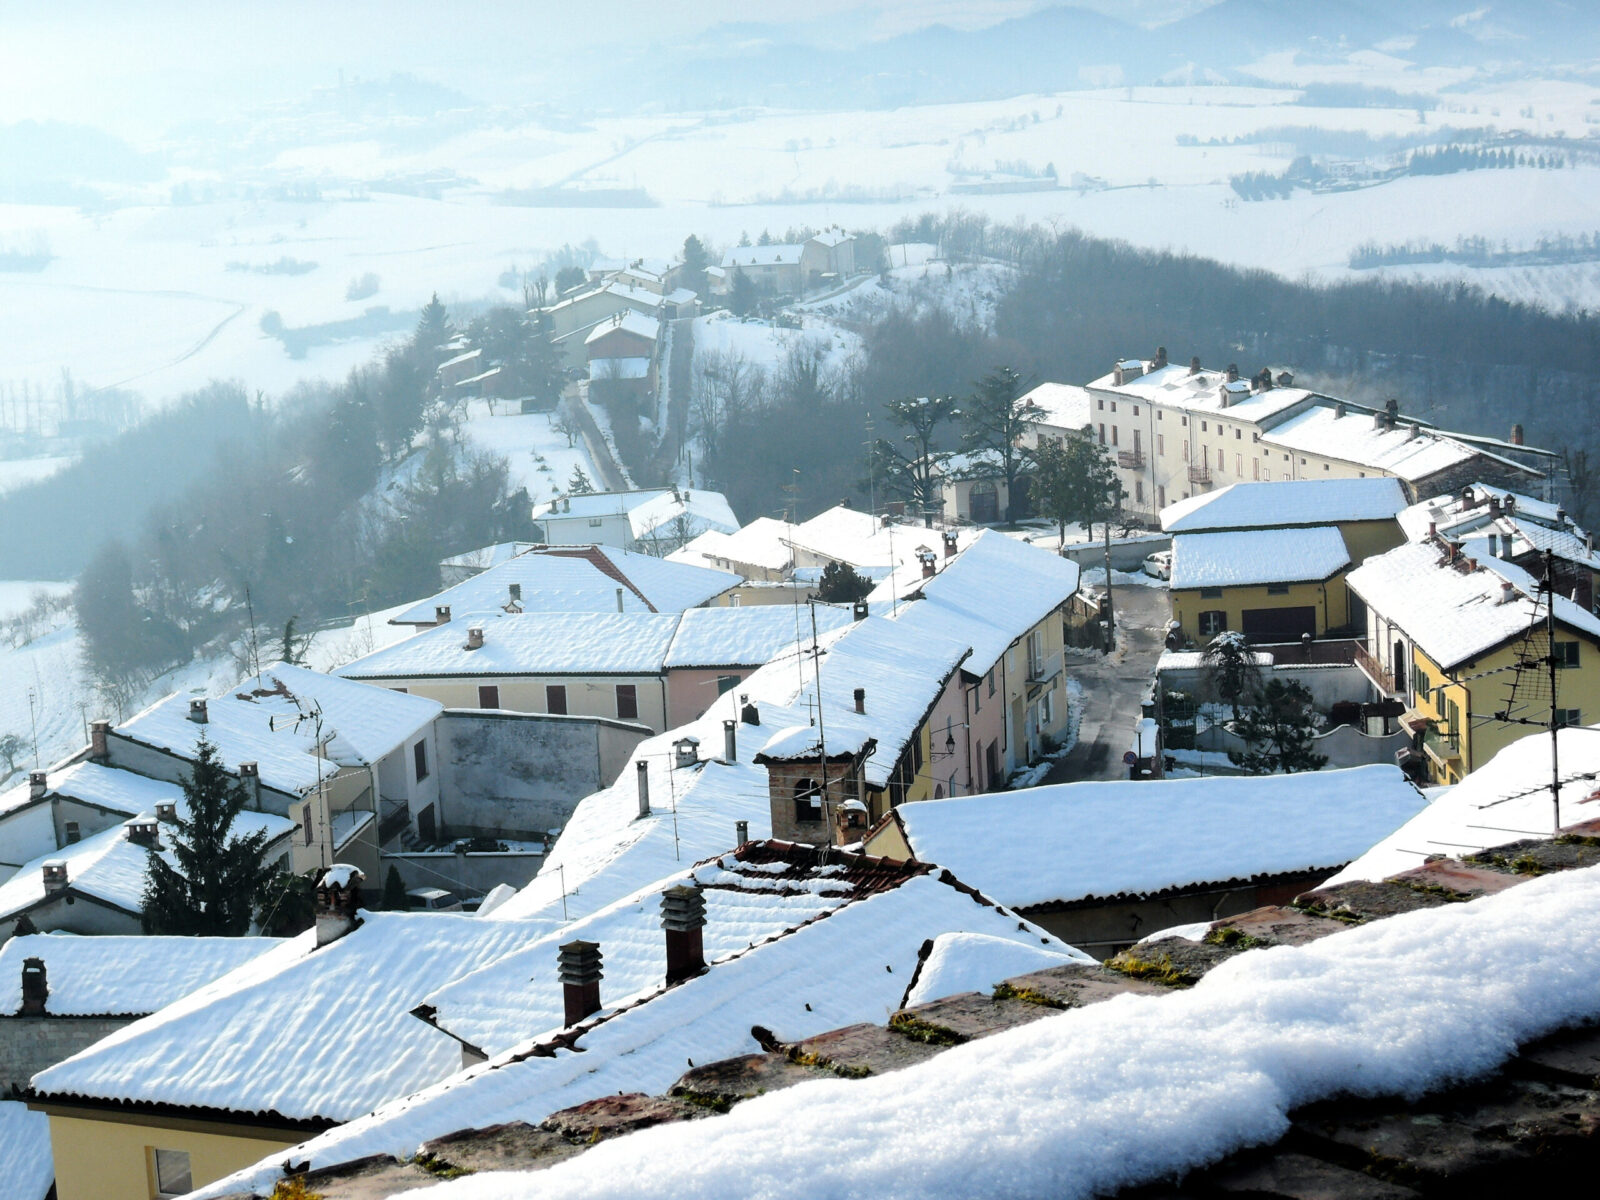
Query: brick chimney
99 740
860 695
55 877
197 711
515 590
166 812
859 610
38 785
35 987
1194 365
441 614
683 916
730 741
949 543
474 638
1516 435
643 769
930 564
250 777
1160 359
338 902
144 831
578 965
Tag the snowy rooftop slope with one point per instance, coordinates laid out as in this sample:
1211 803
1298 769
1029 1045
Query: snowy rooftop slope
699 509
598 504
1257 556
762 543
121 976
851 966
1509 794
628 321
860 539
1201 392
1062 405
633 643
104 787
25 1161
1530 525
360 724
301 1032
1142 1088
580 579
747 636
988 595
1454 615
975 962
1355 438
751 256
488 556
109 868
607 851
1072 841
1285 503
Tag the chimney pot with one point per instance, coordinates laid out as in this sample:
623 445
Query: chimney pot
338 902
741 832
1516 435
930 564
1194 365
38 784
100 740
35 987
859 610
55 877
166 811
861 700
1339 409
250 776
1233 372
1507 591
144 832
579 967
949 544
619 599
686 752
197 711
516 592
683 916
1433 529
730 741
441 614
474 638
749 714
642 770
1160 359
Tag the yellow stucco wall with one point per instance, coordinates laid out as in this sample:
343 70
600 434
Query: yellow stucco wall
587 696
1364 539
112 1160
1330 599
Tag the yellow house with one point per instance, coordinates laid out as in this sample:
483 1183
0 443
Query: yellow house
1272 585
1446 634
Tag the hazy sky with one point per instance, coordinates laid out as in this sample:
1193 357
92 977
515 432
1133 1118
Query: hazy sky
138 68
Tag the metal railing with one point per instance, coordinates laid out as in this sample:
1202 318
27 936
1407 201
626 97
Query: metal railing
1199 474
1374 671
1132 460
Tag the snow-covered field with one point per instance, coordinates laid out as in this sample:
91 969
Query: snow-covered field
540 458
19 472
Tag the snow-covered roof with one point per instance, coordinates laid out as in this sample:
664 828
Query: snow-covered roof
1257 556
747 636
1526 526
988 595
104 787
1172 385
975 962
579 579
121 976
831 238
823 946
760 256
762 543
1061 405
302 1032
700 510
866 542
585 505
1074 841
25 1160
1507 795
109 868
627 321
630 643
1285 503
606 851
360 725
1454 614
487 556
1355 438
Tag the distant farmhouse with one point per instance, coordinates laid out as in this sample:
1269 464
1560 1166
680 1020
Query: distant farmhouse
789 270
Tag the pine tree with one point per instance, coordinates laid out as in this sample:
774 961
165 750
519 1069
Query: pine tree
695 261
24 926
916 472
1278 730
579 484
996 417
1074 483
218 879
1230 668
741 294
842 584
394 891
433 326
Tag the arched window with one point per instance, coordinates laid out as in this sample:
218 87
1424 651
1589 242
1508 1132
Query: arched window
807 802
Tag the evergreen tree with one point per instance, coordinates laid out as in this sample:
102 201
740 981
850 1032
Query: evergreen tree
218 879
568 278
288 905
433 326
579 484
996 416
1231 673
916 473
842 584
108 615
394 891
24 926
292 649
1278 729
1075 483
695 262
741 294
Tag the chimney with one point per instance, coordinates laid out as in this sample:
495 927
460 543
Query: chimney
197 711
1285 379
619 599
1379 420
1160 359
516 593
1433 530
1494 506
1561 516
749 714
142 831
474 638
930 564
949 543
1516 435
741 832
1508 592
566 504
1233 373
1414 430
578 967
642 768
1493 544
1116 375
683 916
166 812
55 877
441 614
1222 395
858 610
250 776
1339 409
99 740
861 700
38 784
35 987
338 899
730 741
1392 407
1194 365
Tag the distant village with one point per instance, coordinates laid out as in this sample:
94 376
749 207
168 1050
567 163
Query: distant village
665 813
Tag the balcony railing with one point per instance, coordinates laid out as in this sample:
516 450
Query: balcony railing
1200 475
1132 460
1441 747
1373 670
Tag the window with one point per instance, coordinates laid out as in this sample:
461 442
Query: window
1277 589
1238 435
1238 465
1324 466
1113 435
1161 443
1046 710
1161 496
419 757
1222 461
1113 406
74 832
1255 437
627 702
1102 433
1213 622
1363 474
555 698
1255 468
1138 491
1136 410
1186 449
1184 421
1566 654
1453 716
1136 441
596 522
1100 404
1160 416
172 1172
807 802
736 600
726 684
1212 593
488 696
1266 477
1302 462
1203 426
1421 685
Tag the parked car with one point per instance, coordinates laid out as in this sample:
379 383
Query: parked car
432 899
1159 564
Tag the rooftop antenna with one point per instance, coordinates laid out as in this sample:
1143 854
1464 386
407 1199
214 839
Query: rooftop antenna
822 733
311 715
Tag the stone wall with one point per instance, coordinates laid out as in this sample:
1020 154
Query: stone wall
30 1044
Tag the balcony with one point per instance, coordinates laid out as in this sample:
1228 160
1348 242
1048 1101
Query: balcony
1132 460
1373 670
1441 747
1200 475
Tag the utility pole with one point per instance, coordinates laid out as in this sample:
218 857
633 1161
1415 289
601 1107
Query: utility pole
1548 587
1111 618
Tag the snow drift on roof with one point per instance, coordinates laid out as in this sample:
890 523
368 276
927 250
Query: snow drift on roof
747 636
1061 405
976 962
106 787
25 1161
1286 502
633 643
1257 556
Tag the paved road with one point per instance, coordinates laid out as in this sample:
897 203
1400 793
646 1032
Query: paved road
610 475
1114 686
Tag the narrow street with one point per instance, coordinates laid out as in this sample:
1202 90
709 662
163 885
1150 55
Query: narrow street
1114 686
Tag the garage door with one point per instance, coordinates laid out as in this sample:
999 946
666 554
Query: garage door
1279 624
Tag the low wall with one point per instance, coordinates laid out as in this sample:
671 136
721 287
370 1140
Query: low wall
1127 554
464 874
1345 745
30 1044
1328 683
